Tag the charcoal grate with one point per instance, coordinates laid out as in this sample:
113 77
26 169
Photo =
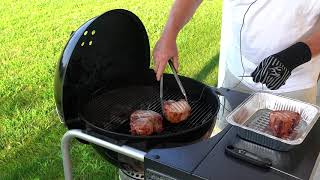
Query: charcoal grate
111 111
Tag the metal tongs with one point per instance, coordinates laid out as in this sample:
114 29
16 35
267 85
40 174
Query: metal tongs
178 81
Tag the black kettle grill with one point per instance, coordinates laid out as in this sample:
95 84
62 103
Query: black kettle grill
103 76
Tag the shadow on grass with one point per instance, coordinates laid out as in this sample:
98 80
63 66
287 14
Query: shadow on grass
208 68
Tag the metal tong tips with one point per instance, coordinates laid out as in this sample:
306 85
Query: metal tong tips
177 80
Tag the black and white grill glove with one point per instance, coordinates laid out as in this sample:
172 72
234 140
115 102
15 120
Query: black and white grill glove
276 69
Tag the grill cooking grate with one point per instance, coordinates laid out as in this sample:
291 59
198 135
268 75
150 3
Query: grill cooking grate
111 111
260 121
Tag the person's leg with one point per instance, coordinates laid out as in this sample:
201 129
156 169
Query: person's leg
232 83
307 95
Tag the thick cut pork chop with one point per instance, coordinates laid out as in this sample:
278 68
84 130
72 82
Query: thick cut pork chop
145 122
176 111
283 122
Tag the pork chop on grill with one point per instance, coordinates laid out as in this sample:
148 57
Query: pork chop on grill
145 122
176 111
283 122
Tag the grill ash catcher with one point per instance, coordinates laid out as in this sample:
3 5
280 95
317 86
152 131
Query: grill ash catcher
103 76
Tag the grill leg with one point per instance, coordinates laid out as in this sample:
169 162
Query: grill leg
65 148
76 133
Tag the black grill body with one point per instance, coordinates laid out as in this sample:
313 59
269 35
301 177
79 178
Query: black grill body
103 76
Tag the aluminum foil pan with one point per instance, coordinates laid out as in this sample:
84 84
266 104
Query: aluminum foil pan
251 119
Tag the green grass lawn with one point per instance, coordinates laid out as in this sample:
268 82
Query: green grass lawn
32 36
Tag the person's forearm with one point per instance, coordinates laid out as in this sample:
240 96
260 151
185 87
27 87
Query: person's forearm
181 12
313 41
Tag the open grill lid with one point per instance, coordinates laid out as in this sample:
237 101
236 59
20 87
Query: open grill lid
108 51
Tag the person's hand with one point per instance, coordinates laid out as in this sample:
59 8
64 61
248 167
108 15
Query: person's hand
271 72
276 69
165 49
